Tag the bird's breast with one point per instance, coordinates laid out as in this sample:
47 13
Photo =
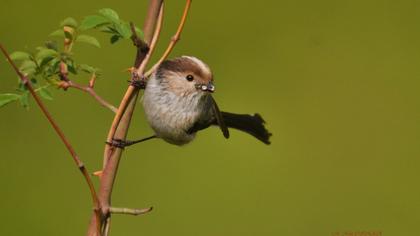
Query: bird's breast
171 115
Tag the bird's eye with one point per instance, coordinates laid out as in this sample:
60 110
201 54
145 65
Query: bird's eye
190 77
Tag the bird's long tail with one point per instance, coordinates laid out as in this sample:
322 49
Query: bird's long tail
253 125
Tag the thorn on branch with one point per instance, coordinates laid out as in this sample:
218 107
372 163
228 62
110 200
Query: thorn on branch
129 211
97 173
92 81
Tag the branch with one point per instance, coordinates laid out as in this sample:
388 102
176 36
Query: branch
88 89
142 47
119 129
174 39
60 133
131 90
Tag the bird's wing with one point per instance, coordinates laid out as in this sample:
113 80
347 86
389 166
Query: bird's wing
219 118
205 123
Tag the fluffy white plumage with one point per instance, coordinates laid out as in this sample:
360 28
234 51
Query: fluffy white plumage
172 109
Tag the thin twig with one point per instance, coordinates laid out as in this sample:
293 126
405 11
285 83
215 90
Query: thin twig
174 39
155 38
90 91
60 133
130 211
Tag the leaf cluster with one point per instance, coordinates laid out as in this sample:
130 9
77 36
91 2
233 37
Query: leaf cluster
44 66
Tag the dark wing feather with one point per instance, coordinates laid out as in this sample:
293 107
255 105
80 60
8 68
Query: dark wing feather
216 120
219 118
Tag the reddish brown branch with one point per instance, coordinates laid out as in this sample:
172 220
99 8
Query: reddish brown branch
89 89
119 128
131 90
60 133
174 39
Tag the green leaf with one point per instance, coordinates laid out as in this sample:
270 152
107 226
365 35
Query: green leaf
115 38
55 64
109 29
7 98
124 30
59 33
139 32
110 14
93 21
87 68
71 68
89 40
45 52
28 67
45 61
71 22
24 99
68 35
21 86
45 93
51 45
19 56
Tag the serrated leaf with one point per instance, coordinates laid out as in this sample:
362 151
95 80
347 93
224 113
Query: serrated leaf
124 30
7 98
71 22
88 39
18 56
58 33
110 14
115 38
93 21
45 52
45 93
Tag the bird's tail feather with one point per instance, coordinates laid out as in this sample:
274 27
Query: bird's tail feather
253 125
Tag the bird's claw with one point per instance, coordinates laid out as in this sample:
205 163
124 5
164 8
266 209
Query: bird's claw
119 143
137 81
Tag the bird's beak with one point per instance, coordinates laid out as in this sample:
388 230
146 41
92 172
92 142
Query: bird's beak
208 87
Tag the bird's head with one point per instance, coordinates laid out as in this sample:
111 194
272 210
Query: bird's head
186 75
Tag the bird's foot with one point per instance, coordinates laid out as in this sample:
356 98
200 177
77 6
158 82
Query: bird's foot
119 143
137 81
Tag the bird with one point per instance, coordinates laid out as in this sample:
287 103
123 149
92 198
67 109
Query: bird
178 103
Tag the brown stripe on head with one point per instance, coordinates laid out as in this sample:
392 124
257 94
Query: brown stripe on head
184 66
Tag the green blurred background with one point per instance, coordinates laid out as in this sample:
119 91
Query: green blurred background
336 81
